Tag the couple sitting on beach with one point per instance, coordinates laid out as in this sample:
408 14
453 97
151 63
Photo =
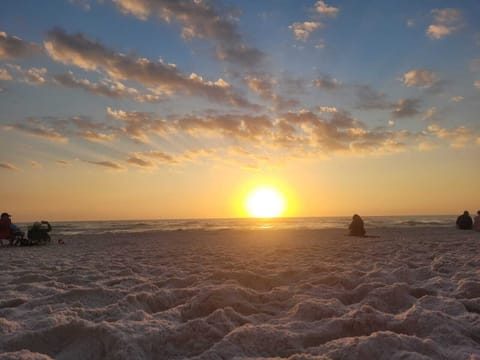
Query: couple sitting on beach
37 233
465 222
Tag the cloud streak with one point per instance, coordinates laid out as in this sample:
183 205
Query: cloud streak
12 47
198 19
161 78
8 166
107 164
446 21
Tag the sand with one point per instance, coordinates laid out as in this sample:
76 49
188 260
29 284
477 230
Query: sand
264 294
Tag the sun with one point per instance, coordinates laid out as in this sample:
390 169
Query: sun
265 202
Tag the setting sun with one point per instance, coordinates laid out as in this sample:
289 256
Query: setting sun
265 202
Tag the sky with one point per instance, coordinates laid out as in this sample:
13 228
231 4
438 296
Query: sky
152 109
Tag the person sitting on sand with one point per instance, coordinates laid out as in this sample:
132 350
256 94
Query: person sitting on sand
464 222
476 222
38 234
8 230
356 227
5 231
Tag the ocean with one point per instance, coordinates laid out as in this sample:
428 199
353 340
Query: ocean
65 228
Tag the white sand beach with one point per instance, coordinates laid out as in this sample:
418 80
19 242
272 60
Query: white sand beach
259 294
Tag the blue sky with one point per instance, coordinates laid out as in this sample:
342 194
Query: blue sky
173 91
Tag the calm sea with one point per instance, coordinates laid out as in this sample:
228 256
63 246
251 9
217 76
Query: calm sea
136 226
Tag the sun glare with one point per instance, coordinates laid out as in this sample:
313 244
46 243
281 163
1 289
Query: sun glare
265 203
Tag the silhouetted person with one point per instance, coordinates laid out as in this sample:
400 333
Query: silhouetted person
464 222
38 233
356 227
476 222
5 231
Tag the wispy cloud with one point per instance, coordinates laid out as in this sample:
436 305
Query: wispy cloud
138 161
84 4
458 137
446 21
35 164
370 99
302 30
199 19
422 78
264 87
35 127
12 47
32 76
326 82
322 8
8 166
5 75
107 164
161 78
406 108
63 163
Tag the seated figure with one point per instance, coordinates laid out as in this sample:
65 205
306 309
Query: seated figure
38 233
476 222
465 222
356 227
5 228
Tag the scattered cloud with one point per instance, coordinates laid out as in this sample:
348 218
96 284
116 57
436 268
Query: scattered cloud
63 163
420 78
458 137
457 99
5 75
139 126
84 4
35 76
324 9
446 21
107 164
12 47
406 108
159 77
264 87
159 156
32 76
302 30
8 166
199 19
106 87
35 127
143 163
370 99
326 82
447 16
327 109
477 84
35 164
430 114
95 136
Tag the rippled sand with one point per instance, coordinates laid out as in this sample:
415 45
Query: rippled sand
299 294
